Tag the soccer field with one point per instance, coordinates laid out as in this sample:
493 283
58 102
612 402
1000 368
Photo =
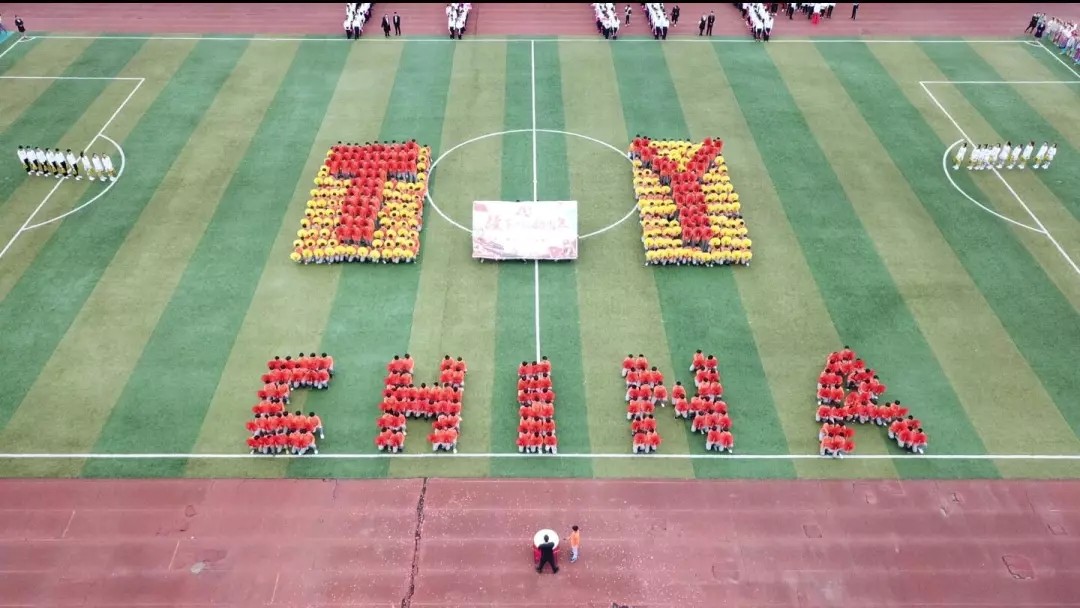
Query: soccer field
136 316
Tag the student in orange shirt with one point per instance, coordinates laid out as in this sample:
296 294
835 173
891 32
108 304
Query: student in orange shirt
653 441
575 543
659 395
627 365
698 361
551 444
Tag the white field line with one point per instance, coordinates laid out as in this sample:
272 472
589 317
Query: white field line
1031 213
945 167
594 39
131 78
536 195
1057 57
101 133
999 82
8 50
460 226
500 455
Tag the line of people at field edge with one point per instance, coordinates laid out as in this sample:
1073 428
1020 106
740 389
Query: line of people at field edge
1066 37
536 408
607 21
1005 156
356 16
758 20
837 408
440 403
457 18
274 430
51 161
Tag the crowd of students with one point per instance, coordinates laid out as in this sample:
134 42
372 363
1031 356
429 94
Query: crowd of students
457 18
55 163
706 410
536 406
607 20
658 20
1005 156
274 430
356 15
690 213
645 391
849 392
439 403
367 205
1065 35
758 19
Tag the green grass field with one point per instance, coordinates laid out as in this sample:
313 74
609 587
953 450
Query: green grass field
140 323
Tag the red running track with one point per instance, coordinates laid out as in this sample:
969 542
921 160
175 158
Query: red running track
503 19
465 543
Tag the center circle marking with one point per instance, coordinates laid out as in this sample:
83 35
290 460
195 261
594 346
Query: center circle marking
434 165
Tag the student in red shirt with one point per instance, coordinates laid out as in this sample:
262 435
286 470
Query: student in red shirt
653 441
551 444
627 365
698 361
727 442
660 395
918 441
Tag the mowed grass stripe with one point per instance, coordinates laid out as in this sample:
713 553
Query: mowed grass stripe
163 405
650 106
618 302
515 336
95 356
20 95
1011 115
700 307
371 317
456 298
559 329
291 306
865 304
63 102
61 278
560 324
909 243
778 293
996 261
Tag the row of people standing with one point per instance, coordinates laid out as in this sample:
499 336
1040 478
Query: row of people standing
758 19
607 20
457 18
356 15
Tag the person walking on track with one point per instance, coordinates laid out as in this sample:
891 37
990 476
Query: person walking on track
397 24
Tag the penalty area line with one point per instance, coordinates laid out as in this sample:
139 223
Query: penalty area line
500 455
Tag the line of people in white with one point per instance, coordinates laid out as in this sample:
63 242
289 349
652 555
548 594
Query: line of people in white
457 15
51 161
759 20
607 21
356 15
1005 156
658 20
